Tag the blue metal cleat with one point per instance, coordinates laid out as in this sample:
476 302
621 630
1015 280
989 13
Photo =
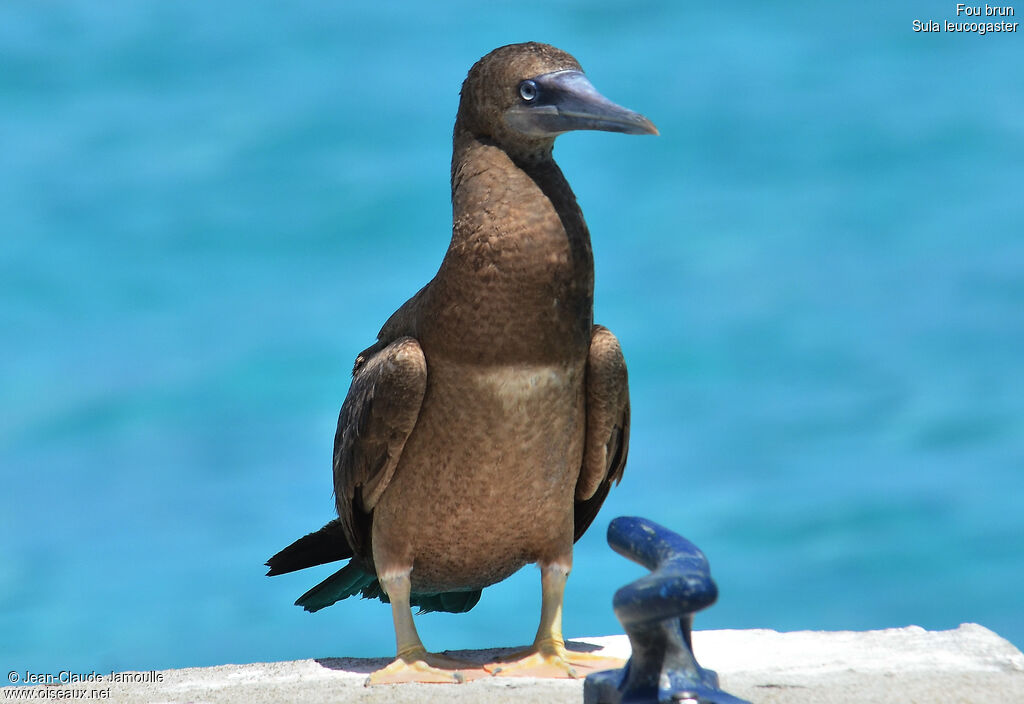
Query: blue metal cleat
657 613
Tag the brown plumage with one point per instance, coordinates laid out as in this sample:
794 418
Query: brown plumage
485 427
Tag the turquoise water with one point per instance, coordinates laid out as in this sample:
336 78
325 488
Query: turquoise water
207 209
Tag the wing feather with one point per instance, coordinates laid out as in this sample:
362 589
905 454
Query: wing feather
379 413
607 435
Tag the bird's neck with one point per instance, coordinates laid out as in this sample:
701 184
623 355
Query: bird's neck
519 272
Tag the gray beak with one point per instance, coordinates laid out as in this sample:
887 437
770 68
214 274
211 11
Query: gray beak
558 102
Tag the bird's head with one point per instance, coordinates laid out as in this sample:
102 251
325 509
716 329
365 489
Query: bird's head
522 96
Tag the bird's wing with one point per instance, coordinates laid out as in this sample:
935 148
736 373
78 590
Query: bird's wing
378 415
607 436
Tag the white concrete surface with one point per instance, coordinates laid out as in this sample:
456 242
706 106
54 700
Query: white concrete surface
969 665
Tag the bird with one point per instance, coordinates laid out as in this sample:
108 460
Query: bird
483 429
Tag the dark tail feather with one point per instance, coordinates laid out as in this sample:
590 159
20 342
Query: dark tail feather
325 545
373 591
328 545
350 579
450 602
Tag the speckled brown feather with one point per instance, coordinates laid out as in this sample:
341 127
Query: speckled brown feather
607 414
376 419
483 430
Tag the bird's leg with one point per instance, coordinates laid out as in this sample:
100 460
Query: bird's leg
548 656
413 663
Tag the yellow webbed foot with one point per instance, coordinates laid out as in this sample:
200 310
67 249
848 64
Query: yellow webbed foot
552 660
421 666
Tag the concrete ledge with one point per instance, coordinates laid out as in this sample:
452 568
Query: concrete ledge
969 664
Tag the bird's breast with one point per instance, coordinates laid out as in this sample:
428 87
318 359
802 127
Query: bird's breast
521 412
516 388
498 450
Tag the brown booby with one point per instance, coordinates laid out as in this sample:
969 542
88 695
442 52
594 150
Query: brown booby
484 428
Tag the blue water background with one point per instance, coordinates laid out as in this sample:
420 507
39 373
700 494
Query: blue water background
208 208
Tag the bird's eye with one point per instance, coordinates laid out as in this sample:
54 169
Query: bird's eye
528 91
